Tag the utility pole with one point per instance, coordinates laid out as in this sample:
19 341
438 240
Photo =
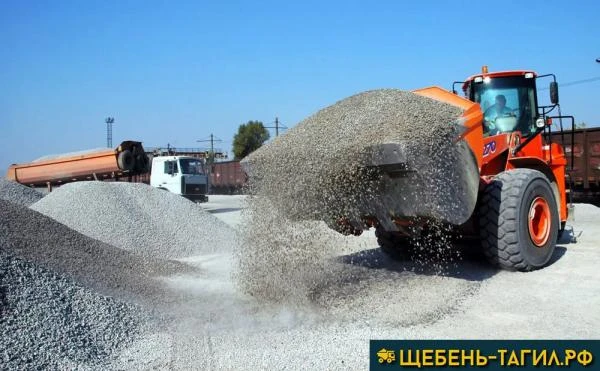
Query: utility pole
109 121
212 141
276 127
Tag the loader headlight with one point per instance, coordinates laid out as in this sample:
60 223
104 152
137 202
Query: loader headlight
481 79
540 123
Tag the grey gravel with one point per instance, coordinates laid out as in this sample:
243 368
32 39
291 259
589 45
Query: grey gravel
18 193
34 237
70 154
48 321
68 300
318 171
381 299
137 217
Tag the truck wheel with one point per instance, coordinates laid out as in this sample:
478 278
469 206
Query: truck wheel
142 164
125 160
518 220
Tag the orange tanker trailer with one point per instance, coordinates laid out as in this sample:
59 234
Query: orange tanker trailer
127 159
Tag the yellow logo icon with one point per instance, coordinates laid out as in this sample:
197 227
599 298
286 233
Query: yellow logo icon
385 355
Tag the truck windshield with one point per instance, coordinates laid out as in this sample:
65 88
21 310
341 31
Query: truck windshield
508 104
191 166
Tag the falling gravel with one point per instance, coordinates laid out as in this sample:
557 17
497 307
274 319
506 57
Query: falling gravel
320 170
18 193
137 217
48 321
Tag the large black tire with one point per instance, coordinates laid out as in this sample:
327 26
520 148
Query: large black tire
142 163
125 160
508 238
394 245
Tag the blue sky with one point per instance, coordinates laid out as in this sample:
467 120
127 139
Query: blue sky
177 71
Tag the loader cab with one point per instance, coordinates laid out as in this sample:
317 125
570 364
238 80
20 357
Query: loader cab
508 101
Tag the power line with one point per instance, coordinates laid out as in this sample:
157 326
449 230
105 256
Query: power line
276 127
591 79
576 82
212 141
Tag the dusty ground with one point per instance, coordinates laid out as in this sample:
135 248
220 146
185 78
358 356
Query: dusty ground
216 327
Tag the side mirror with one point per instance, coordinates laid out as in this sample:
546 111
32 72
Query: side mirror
554 92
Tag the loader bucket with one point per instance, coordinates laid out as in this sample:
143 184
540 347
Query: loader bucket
438 181
418 183
421 161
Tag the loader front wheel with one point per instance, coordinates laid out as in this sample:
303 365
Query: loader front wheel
518 220
394 245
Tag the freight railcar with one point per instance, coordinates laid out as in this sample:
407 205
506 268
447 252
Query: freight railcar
227 178
583 156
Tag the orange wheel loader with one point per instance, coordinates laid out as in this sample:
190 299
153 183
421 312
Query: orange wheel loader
509 190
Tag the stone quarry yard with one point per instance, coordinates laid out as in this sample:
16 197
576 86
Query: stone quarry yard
220 328
193 314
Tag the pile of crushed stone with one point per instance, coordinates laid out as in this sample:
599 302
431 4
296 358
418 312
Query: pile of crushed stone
318 171
31 236
70 154
18 193
138 218
49 321
70 301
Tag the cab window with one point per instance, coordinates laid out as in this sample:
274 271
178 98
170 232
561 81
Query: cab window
170 167
508 104
191 166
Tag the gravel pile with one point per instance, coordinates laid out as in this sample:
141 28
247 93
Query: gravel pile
70 154
18 193
29 235
48 321
318 170
139 218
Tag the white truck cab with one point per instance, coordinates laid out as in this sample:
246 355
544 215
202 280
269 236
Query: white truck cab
182 175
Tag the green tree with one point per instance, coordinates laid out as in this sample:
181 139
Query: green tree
249 138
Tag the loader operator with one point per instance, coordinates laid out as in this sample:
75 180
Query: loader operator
496 110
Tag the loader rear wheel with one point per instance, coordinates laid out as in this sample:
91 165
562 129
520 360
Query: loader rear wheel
518 220
126 160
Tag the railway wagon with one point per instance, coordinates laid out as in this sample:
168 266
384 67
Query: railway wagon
583 169
227 178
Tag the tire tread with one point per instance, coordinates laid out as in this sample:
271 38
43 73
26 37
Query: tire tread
500 202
